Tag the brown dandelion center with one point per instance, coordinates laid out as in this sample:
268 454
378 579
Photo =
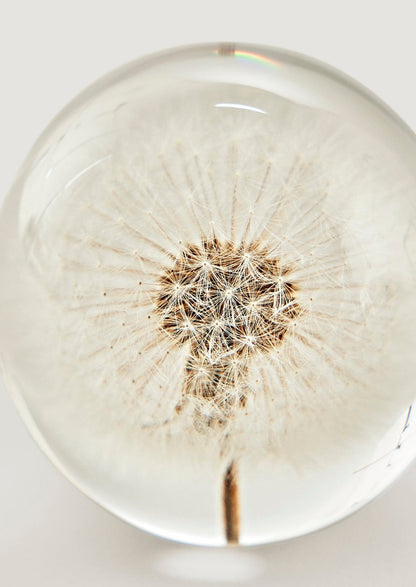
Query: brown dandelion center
228 303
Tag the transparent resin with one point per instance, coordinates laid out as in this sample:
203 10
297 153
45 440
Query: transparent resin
207 294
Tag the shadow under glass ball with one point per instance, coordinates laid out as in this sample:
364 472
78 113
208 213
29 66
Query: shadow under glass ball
207 268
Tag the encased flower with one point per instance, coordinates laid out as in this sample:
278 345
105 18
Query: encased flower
221 289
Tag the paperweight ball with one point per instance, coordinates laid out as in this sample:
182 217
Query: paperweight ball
207 301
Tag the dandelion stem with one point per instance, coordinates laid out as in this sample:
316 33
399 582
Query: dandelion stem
231 504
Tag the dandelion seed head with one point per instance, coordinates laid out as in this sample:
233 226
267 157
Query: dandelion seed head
224 315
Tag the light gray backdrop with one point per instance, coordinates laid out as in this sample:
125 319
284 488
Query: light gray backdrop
50 534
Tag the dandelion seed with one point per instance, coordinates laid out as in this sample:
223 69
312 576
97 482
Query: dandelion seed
206 312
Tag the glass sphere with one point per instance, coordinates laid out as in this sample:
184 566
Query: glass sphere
207 302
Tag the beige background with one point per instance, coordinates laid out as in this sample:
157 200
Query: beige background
53 536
